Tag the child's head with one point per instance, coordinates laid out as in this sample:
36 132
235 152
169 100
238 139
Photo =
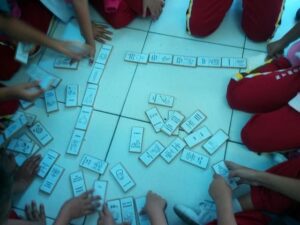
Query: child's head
6 179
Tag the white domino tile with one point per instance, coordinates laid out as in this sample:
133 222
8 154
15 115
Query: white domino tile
78 183
96 73
160 58
94 164
136 57
47 162
122 177
155 119
100 187
209 61
63 62
221 169
151 153
128 210
136 139
188 61
51 101
194 158
72 95
104 53
172 123
84 118
193 121
140 203
41 134
75 142
197 137
173 150
159 99
114 207
90 95
215 142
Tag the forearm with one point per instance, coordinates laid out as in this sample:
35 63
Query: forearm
225 215
81 8
20 31
7 93
291 35
63 218
158 218
289 187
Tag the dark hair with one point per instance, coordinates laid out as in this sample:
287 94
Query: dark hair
6 183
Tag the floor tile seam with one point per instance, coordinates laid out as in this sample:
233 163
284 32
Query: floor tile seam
196 40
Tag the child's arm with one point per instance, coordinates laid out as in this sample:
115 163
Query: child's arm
82 205
221 193
20 31
155 209
276 48
289 187
26 91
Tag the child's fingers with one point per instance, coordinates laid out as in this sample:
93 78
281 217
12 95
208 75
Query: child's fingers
42 211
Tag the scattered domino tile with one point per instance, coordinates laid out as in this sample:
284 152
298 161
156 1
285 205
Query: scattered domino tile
173 150
159 99
75 142
22 52
41 134
194 158
64 62
100 187
30 119
104 54
160 58
55 81
209 61
51 101
78 183
136 139
128 211
52 179
16 115
14 127
155 119
193 121
170 114
221 169
122 177
26 138
226 62
142 217
152 153
136 57
197 137
94 164
25 104
188 61
172 123
84 118
114 207
71 95
90 95
96 73
20 146
47 162
215 142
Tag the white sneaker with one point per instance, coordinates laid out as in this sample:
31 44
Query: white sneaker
205 212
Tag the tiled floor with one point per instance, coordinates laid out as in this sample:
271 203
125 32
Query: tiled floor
122 100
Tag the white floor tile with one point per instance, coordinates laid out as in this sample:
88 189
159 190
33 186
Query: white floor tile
60 125
173 22
169 180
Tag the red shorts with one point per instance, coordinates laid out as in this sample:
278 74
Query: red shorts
266 200
35 14
259 18
276 126
127 11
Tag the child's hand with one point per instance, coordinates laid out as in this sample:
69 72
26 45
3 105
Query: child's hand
246 175
155 204
27 91
72 49
26 173
155 7
80 206
219 189
101 33
105 217
35 215
275 49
